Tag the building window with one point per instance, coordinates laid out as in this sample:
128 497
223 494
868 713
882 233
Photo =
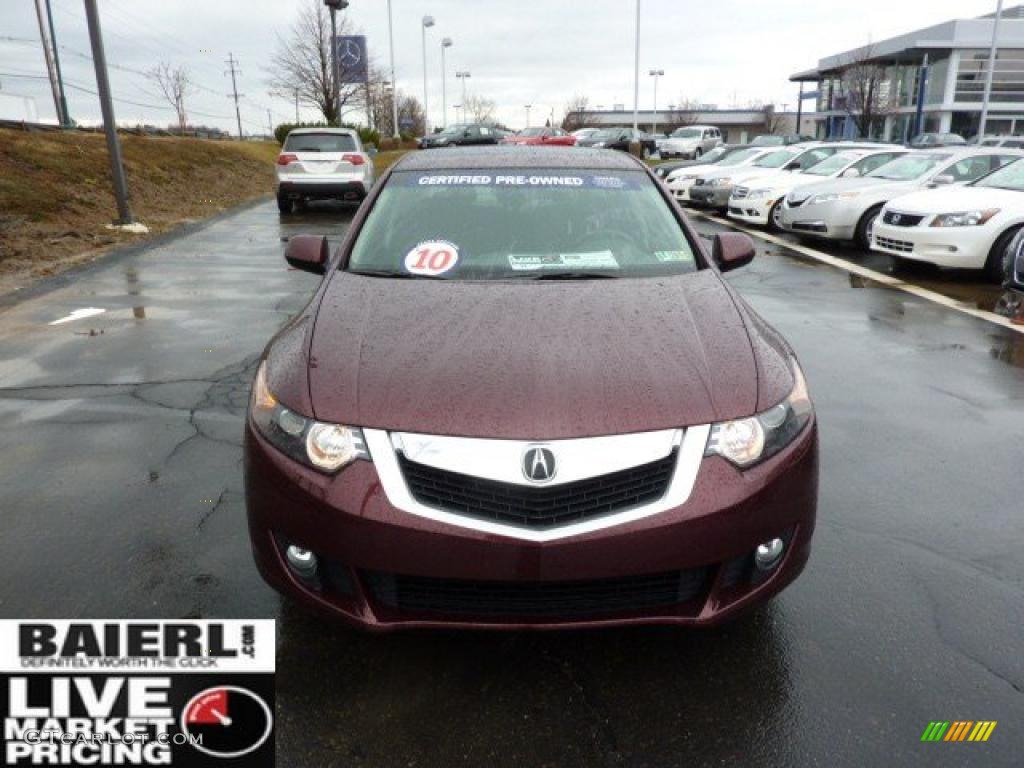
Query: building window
1007 80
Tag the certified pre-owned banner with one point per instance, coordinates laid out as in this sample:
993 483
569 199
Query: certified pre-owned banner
182 693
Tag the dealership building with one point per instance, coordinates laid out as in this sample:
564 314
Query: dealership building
953 59
737 125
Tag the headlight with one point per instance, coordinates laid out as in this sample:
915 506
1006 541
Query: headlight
327 447
722 181
829 197
757 194
745 442
964 218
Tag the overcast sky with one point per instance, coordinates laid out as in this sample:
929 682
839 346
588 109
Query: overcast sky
540 52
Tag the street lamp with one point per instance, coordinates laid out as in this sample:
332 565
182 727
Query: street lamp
457 107
394 100
983 121
463 76
445 43
636 70
528 114
655 73
428 21
335 6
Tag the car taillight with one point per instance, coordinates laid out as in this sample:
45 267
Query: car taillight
284 159
354 159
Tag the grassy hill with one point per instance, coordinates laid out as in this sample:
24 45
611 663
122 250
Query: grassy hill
56 195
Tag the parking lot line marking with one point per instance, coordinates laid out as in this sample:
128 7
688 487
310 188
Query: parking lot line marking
869 274
79 314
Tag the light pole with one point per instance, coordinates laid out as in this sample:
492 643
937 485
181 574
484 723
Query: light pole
457 107
394 83
991 69
528 114
636 70
335 6
428 21
445 43
656 73
463 76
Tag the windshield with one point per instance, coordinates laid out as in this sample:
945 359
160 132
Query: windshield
1010 176
738 158
776 159
714 155
609 133
452 130
687 133
831 165
319 142
528 132
908 167
507 224
768 141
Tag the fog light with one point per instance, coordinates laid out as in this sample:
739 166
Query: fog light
302 561
768 554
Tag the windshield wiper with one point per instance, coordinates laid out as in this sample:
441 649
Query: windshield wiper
569 276
393 275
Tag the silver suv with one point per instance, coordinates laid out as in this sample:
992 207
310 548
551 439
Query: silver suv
690 142
322 164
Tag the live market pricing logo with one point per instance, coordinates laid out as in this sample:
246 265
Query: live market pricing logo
182 693
958 730
227 722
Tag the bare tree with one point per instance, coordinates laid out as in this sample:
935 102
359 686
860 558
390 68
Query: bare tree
681 114
576 113
411 117
478 109
866 93
302 64
176 86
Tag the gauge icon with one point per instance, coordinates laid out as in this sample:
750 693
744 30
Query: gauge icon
227 721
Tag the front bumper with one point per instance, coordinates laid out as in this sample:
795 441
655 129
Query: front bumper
825 220
680 189
954 247
382 568
714 197
756 211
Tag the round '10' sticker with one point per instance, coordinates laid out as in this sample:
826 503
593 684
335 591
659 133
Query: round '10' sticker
432 257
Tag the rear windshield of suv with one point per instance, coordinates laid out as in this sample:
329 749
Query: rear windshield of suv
319 142
530 223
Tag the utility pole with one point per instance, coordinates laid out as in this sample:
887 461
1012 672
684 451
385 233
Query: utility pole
50 69
656 73
99 59
232 61
296 106
991 68
445 43
270 124
56 62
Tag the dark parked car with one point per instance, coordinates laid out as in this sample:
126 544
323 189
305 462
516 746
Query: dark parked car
928 140
620 138
523 395
461 135
719 153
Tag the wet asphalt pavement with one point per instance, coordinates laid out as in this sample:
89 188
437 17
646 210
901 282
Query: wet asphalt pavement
122 497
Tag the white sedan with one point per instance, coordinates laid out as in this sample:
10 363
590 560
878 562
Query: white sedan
759 201
967 227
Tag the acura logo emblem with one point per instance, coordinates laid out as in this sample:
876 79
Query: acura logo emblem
538 464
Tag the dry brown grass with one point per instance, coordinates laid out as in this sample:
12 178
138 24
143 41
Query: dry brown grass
56 195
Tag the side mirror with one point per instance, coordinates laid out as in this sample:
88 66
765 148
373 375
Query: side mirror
371 150
308 253
794 166
942 181
851 173
732 250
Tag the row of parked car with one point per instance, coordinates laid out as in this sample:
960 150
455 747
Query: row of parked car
955 206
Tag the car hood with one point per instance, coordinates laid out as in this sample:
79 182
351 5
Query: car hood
534 360
956 199
780 181
741 173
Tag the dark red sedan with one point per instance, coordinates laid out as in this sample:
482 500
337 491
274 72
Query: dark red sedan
541 137
523 396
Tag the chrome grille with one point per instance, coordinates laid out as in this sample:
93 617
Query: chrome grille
897 219
894 245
